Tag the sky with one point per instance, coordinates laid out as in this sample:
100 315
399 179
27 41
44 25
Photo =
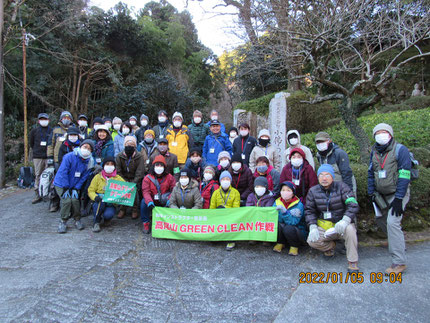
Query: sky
215 31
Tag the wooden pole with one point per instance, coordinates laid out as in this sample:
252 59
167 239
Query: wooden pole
24 71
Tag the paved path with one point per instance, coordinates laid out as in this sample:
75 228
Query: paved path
120 275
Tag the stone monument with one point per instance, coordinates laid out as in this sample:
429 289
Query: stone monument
278 123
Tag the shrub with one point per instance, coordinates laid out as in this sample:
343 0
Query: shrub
413 103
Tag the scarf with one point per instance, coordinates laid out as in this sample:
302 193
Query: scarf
106 176
99 147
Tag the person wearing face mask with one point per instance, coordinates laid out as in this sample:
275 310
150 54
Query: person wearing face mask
72 141
118 144
242 178
144 125
116 126
38 143
103 211
300 173
97 122
293 139
196 164
292 229
198 129
232 134
208 185
71 176
148 148
388 186
244 144
180 138
172 166
264 169
224 160
133 122
108 123
215 143
225 197
331 211
156 189
84 130
163 123
186 194
264 148
103 144
130 166
261 196
214 116
330 153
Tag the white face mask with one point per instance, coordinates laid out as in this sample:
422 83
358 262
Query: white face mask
236 166
195 160
297 162
144 123
260 191
224 163
132 122
73 138
177 124
162 119
294 141
82 123
44 123
214 117
109 125
184 181
208 176
125 131
382 138
323 146
244 133
197 120
117 127
233 134
286 195
109 169
158 170
85 153
225 184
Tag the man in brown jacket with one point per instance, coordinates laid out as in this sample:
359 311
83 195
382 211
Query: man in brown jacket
171 159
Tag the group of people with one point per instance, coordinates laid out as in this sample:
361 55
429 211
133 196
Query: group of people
203 166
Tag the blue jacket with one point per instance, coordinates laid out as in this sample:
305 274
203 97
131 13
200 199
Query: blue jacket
73 171
107 150
295 215
218 144
196 170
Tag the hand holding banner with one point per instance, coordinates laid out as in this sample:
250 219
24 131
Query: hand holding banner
119 192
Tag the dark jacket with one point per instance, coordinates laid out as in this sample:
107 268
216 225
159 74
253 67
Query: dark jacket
171 161
243 181
199 133
340 199
131 169
206 190
40 135
248 143
189 197
307 179
147 152
272 176
55 140
161 130
65 148
107 150
196 169
140 133
265 201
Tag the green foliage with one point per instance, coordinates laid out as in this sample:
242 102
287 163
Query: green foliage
413 103
410 128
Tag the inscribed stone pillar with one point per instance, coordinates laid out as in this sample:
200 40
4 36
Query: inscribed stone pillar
278 123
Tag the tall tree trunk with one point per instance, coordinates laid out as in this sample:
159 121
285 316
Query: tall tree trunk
2 138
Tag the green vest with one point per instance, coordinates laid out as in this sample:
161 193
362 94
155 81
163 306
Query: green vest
385 170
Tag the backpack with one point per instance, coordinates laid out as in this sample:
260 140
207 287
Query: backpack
26 177
414 163
45 182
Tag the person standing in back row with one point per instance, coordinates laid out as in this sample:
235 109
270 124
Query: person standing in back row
244 144
38 143
293 138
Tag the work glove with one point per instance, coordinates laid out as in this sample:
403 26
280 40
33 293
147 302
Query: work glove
281 208
151 205
75 194
396 207
66 194
314 234
340 226
98 199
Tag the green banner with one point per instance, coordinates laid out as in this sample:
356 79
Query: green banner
119 192
245 223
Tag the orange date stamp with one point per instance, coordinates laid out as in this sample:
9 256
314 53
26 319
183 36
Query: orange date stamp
348 278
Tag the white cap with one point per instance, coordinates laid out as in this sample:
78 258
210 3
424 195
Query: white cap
264 132
177 114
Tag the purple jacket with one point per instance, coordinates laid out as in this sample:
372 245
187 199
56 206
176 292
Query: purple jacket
265 201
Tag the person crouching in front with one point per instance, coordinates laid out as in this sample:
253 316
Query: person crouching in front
186 194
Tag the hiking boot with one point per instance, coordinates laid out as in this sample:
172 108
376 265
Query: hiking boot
394 268
54 208
230 246
120 214
134 215
62 227
96 227
79 225
329 253
352 267
278 247
36 198
146 228
107 223
294 251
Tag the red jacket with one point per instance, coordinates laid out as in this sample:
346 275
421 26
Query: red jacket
307 177
207 192
167 183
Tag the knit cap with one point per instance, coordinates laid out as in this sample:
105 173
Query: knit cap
326 168
383 126
223 154
131 139
225 174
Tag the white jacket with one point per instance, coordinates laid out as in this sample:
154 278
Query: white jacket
305 149
270 153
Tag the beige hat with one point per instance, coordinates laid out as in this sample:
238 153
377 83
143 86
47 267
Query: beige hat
322 136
